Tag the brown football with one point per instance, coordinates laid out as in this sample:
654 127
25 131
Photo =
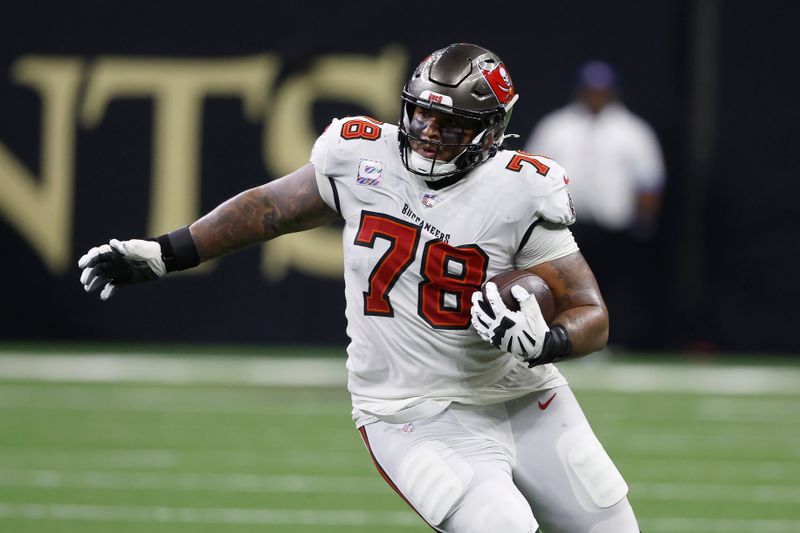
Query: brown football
531 283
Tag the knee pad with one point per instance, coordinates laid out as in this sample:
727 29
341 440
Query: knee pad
596 472
492 507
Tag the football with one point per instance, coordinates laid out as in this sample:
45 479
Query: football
531 283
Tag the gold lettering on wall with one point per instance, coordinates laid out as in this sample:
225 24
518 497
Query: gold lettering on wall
371 82
41 208
178 87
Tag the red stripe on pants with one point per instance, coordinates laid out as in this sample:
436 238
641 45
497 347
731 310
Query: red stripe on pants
385 476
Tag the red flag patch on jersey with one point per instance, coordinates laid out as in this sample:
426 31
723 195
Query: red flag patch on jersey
498 79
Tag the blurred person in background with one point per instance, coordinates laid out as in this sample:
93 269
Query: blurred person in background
617 173
474 438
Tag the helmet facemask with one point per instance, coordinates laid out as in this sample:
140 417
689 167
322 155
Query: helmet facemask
463 140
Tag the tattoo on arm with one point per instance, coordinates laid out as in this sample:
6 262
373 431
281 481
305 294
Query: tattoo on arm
291 203
579 306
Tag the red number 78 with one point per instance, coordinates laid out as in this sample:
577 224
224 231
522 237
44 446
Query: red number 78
457 271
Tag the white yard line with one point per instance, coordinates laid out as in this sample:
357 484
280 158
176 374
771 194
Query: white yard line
170 459
664 442
190 481
124 513
692 471
298 483
688 378
95 457
232 370
352 518
296 371
719 525
59 402
686 492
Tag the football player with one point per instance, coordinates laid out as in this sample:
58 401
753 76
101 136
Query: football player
456 397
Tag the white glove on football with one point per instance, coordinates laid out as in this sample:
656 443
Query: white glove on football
520 333
119 263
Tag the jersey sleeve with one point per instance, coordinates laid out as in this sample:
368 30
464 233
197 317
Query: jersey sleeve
551 198
324 166
546 242
350 161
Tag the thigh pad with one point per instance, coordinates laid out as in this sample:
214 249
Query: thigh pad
433 478
596 472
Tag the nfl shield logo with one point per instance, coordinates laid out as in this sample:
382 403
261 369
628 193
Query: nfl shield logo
429 199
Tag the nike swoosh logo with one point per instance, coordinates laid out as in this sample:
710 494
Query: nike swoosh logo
546 404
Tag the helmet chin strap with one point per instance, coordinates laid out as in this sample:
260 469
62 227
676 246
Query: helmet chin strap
437 170
433 170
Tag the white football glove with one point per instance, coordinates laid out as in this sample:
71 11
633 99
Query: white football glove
521 333
119 263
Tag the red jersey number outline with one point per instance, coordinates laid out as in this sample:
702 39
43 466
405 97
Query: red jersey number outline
522 157
437 280
367 128
403 238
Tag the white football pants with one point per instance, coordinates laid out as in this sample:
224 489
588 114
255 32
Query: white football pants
505 468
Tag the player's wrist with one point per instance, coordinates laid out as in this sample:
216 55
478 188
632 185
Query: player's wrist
556 347
178 250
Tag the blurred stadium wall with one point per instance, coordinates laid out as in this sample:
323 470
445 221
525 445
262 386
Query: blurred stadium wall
127 120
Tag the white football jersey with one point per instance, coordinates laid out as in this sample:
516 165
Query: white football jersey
413 256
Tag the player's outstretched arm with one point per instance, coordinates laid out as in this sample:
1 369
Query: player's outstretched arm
580 309
291 203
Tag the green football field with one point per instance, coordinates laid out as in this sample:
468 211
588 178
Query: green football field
131 443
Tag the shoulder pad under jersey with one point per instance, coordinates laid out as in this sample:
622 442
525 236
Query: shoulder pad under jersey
545 182
344 139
